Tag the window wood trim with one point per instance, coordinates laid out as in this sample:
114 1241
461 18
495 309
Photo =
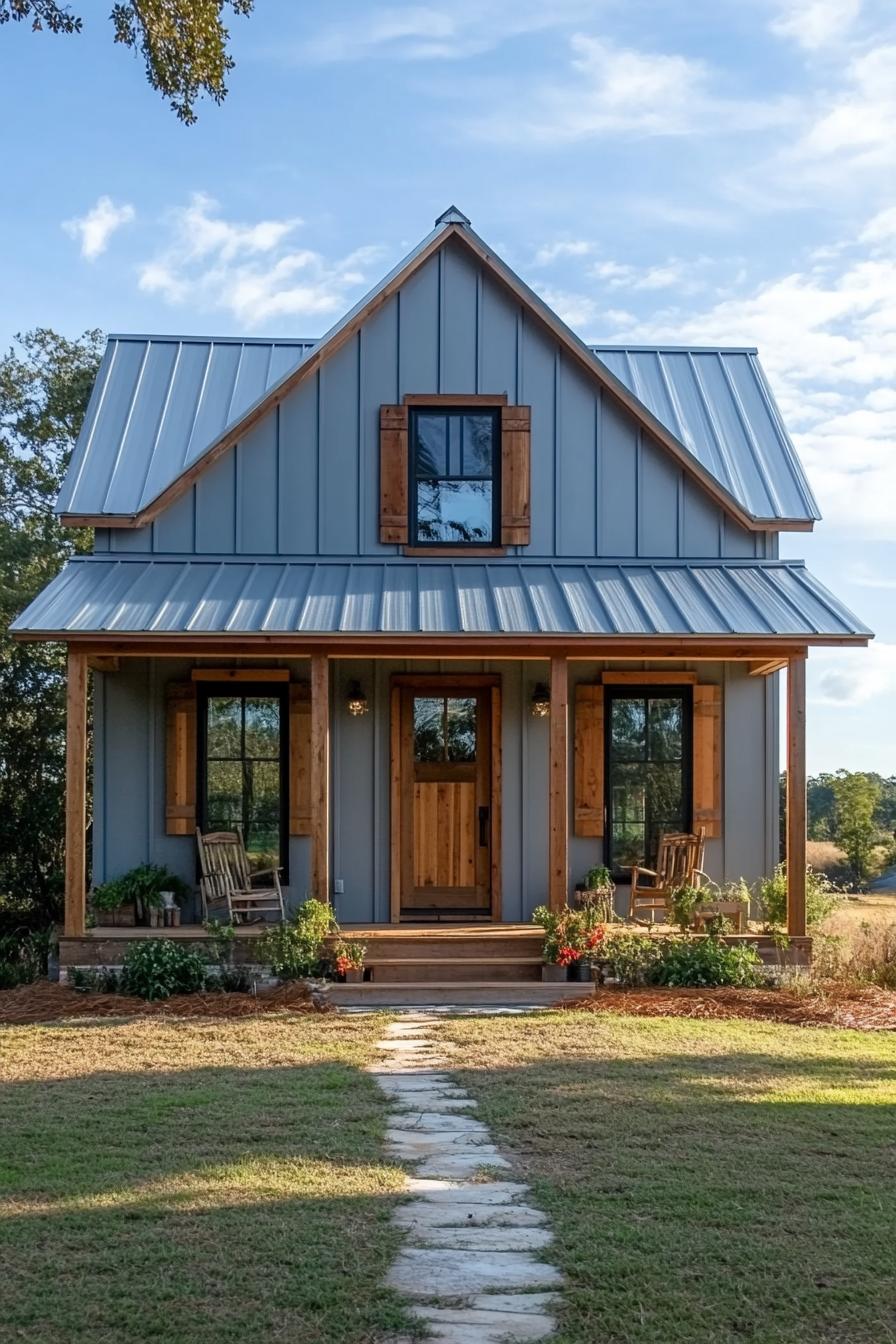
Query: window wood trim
516 471
471 552
181 758
455 400
588 760
394 475
706 763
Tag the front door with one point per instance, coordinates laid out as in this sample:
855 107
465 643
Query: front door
447 824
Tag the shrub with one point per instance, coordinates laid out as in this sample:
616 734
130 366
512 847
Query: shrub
822 898
296 950
632 958
564 934
703 963
684 901
99 980
159 967
23 956
698 962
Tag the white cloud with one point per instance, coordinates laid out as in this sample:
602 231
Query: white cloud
827 338
813 24
614 90
437 32
252 271
551 252
853 677
96 227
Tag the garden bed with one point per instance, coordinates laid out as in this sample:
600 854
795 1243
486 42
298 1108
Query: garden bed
833 1005
44 1001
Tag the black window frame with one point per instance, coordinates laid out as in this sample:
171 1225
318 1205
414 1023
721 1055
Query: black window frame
494 413
684 692
230 690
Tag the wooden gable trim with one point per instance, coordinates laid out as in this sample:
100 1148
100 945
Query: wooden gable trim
351 324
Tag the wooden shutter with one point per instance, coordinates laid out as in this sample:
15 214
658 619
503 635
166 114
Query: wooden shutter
394 473
180 758
707 799
299 759
588 802
516 437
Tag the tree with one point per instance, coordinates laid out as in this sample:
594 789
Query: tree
183 42
856 796
45 382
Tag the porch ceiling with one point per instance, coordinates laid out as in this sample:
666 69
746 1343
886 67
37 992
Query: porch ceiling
133 595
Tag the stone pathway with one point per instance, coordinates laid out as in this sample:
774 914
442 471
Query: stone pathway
470 1262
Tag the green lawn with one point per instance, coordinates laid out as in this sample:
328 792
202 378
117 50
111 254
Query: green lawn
184 1181
707 1181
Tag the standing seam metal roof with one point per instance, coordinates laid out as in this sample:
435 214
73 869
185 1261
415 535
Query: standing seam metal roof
131 595
160 402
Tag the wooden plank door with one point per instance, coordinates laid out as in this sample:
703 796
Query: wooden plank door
446 828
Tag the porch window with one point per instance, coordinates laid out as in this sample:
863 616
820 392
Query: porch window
454 477
648 767
242 768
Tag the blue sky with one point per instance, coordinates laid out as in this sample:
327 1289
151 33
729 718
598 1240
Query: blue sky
714 173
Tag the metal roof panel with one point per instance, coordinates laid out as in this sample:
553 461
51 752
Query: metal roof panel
138 595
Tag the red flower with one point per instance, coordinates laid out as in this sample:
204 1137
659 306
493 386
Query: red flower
343 964
595 936
567 954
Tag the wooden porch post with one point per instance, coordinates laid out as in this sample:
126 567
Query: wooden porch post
558 808
796 796
75 794
320 776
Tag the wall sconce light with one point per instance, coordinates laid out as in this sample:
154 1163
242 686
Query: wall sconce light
356 700
540 706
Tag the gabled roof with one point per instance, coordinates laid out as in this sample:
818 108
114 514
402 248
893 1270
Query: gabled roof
136 595
165 408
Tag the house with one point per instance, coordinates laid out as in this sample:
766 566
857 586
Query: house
442 608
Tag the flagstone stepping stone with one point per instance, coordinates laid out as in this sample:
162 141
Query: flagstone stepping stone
425 1213
420 1121
469 1192
461 1164
484 1238
418 1272
467 1326
437 1103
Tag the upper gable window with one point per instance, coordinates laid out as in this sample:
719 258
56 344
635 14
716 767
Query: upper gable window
454 477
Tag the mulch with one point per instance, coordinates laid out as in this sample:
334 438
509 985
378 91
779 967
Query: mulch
45 1001
862 1009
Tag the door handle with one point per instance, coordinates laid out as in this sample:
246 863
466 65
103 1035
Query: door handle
483 826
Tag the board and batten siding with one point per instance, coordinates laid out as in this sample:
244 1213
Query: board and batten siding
129 786
304 481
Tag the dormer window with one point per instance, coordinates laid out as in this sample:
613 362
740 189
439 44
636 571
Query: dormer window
455 486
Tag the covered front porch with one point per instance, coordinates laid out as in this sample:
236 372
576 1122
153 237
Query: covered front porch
537 811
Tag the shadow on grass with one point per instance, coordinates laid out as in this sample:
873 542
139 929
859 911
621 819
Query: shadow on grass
704 1198
200 1204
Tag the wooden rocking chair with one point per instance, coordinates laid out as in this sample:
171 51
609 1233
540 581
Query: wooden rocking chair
679 863
227 880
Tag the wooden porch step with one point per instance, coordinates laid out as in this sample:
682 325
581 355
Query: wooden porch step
450 994
394 970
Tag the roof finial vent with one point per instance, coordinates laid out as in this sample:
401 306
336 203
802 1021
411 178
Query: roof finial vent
452 216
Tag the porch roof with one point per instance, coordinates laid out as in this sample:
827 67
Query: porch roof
137 595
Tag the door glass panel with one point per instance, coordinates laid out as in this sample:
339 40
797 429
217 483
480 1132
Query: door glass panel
461 728
224 726
429 728
664 720
629 728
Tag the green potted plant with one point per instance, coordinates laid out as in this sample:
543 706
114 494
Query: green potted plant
563 942
595 892
348 960
684 902
137 895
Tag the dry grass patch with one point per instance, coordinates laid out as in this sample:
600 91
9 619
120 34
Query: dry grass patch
194 1181
708 1182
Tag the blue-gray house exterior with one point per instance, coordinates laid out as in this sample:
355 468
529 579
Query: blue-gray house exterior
235 488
